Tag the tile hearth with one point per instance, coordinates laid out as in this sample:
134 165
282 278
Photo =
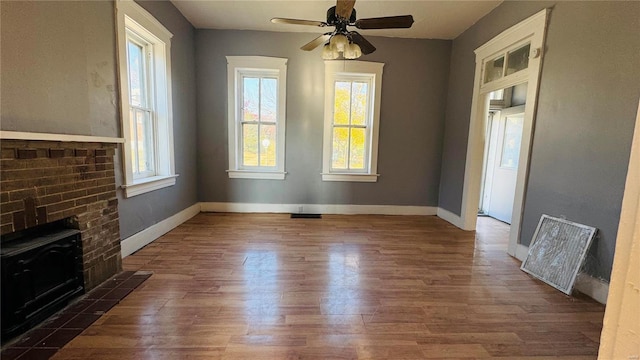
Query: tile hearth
45 340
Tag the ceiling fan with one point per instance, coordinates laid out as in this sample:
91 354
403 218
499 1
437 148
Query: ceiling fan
350 43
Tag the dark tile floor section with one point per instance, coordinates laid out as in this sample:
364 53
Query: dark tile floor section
54 333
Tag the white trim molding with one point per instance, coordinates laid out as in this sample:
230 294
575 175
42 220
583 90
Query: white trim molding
317 209
149 184
264 175
139 240
521 252
595 288
20 135
585 283
532 31
620 337
449 217
350 177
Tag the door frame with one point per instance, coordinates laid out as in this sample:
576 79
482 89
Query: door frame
532 29
617 340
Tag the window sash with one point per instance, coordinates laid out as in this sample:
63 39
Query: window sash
143 166
351 79
146 69
240 151
143 146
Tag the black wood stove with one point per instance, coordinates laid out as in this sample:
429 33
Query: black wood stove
41 272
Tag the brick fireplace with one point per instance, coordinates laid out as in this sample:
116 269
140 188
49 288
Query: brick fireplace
45 181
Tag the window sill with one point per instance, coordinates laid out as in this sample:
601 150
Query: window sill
350 177
145 185
261 175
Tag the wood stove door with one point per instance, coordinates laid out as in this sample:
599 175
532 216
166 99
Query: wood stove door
37 282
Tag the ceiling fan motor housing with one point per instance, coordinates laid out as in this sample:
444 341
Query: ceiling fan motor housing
332 19
342 40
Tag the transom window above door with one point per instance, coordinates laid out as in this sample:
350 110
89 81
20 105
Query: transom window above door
507 64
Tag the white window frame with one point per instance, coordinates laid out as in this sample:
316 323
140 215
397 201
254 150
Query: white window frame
132 17
259 66
350 71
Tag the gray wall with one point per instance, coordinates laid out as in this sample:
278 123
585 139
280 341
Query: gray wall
59 76
411 125
58 67
139 212
587 103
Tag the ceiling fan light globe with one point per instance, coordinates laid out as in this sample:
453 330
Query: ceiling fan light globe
349 51
356 50
339 41
332 46
328 53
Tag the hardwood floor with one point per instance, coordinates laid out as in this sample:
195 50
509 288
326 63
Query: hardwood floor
264 286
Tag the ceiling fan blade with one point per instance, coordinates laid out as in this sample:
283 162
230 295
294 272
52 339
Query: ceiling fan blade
389 22
365 46
316 42
344 8
298 22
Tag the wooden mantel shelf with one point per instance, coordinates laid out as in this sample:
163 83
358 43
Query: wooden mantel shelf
18 135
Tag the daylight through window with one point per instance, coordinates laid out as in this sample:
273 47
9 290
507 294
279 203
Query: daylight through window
257 93
352 115
259 121
144 59
140 106
350 125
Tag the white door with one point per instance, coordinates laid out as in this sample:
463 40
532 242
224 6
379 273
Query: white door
504 168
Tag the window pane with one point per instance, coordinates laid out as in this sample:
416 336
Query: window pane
342 103
359 103
269 100
518 59
136 74
144 138
134 143
340 148
493 69
497 95
512 140
356 158
267 145
250 144
250 99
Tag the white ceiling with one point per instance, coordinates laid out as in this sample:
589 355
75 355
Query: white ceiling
433 19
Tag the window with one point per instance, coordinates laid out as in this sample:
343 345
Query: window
352 115
507 63
511 142
140 112
144 60
256 93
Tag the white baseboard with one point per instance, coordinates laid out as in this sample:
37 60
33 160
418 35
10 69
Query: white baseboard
521 252
585 283
590 286
594 288
318 209
450 217
137 241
